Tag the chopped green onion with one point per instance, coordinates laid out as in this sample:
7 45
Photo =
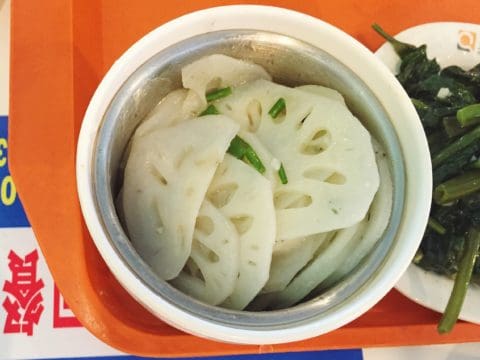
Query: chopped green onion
277 108
282 175
210 110
240 149
218 94
253 159
436 226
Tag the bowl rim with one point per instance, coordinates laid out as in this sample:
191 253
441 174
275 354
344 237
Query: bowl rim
316 33
104 173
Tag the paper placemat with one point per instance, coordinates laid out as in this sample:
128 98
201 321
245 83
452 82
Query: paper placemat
35 321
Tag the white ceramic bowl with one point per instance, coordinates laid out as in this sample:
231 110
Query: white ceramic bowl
304 45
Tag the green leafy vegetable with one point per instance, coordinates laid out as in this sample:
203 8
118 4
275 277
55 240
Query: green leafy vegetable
455 164
451 126
475 164
461 143
469 115
436 226
433 113
416 67
456 95
470 78
462 280
436 141
448 104
458 187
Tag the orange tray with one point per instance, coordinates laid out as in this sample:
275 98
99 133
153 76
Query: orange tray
59 52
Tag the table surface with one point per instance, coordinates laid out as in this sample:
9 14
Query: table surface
52 331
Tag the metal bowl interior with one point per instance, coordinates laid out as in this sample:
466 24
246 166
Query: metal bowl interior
290 62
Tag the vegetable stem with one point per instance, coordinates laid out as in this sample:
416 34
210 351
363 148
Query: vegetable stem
210 110
456 146
436 226
400 48
469 115
277 108
460 286
282 175
452 127
474 164
218 94
457 187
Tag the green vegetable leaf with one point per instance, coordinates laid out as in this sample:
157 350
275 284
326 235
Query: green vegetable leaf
416 67
456 95
469 78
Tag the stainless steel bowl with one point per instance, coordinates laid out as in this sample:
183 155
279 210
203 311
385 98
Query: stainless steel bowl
290 62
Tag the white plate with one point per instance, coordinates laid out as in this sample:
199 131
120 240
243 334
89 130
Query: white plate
452 44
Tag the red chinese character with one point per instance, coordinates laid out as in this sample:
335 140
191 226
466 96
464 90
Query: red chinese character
24 305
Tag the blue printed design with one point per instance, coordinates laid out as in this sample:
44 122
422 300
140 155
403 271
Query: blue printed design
354 354
11 209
